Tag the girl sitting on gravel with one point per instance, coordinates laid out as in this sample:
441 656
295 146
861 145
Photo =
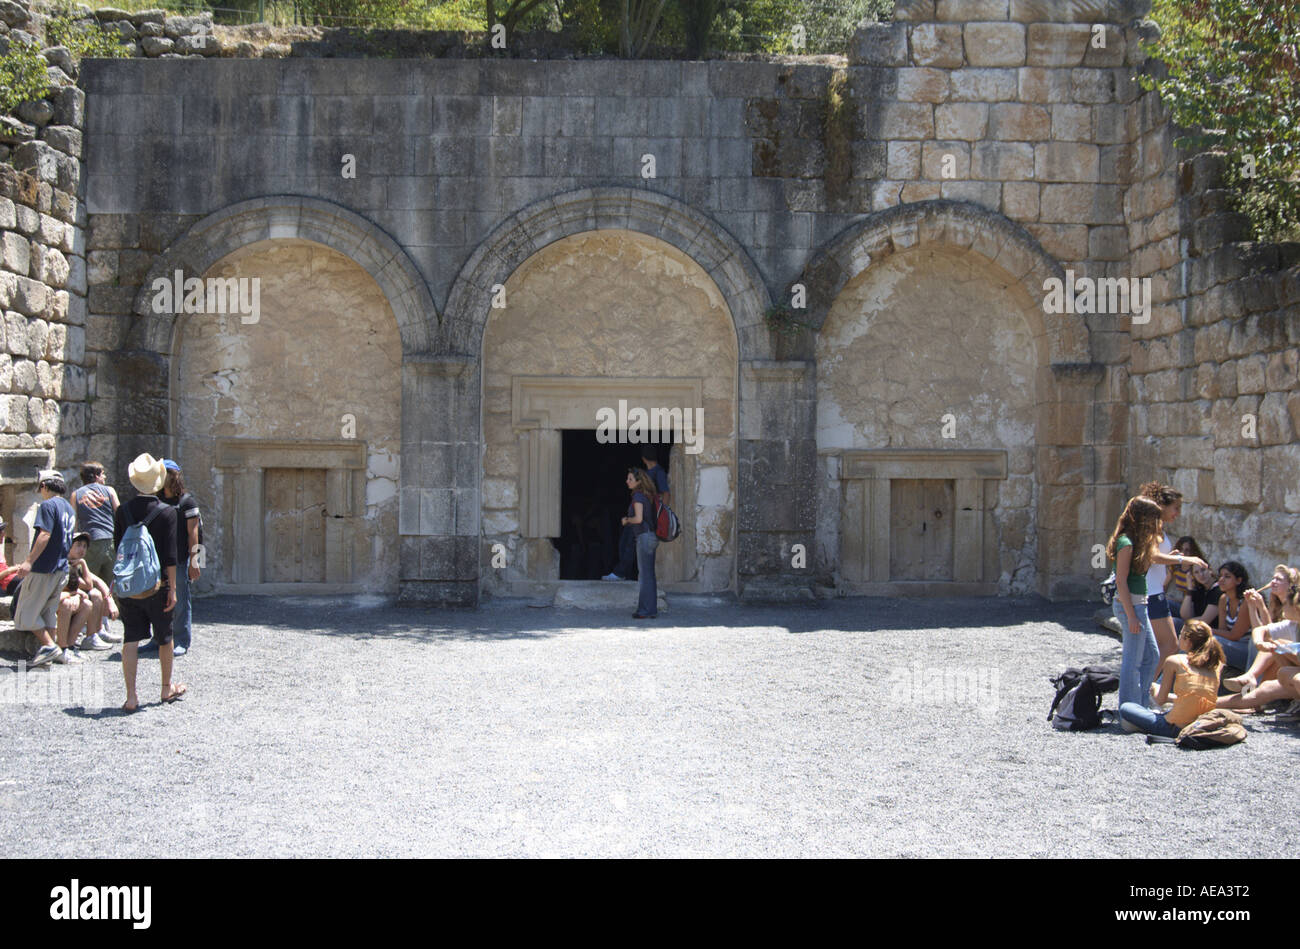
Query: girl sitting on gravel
1193 678
1183 577
1233 632
1202 600
1258 686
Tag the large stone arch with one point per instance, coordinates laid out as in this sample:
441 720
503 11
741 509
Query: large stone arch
1016 509
139 397
289 217
627 319
957 224
610 208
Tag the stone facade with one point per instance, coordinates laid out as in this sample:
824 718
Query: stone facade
904 209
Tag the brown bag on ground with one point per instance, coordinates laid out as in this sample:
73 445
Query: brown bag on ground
1217 728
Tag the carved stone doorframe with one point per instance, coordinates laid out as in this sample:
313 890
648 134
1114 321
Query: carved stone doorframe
865 516
543 406
243 463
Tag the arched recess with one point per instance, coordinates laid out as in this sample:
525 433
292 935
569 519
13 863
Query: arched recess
357 482
607 320
956 224
1008 475
592 209
289 217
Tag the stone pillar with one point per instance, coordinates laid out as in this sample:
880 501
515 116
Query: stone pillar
438 518
1068 507
778 464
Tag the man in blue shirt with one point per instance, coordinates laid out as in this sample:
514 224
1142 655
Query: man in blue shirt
45 572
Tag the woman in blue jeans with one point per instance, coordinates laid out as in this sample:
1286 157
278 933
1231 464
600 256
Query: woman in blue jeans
640 515
1192 676
1132 549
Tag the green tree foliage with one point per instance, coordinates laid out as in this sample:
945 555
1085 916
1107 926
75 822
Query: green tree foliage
512 13
359 13
1233 82
85 40
22 76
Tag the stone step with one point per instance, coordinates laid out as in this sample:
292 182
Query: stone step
601 595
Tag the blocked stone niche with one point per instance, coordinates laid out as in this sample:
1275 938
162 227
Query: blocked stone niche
590 319
926 358
288 428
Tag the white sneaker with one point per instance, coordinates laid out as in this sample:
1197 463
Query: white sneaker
70 657
95 643
108 635
611 576
46 654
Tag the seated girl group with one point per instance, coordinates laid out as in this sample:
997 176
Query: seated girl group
1141 552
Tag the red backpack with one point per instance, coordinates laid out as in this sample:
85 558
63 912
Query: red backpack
665 521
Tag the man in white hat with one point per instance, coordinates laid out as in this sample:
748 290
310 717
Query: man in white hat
140 615
45 571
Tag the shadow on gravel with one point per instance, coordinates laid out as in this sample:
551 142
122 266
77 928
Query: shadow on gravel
375 618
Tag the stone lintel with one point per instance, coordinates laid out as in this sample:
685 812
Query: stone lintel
20 465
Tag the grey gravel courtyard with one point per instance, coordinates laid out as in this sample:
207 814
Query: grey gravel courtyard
335 728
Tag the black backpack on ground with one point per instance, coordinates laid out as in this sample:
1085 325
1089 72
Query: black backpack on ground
1077 706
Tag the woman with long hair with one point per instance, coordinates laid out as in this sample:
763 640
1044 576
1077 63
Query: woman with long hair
1158 577
1132 548
1193 680
1284 590
640 515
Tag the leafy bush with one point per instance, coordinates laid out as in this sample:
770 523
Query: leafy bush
22 76
85 39
359 13
1233 82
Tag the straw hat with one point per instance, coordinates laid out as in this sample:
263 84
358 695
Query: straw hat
147 474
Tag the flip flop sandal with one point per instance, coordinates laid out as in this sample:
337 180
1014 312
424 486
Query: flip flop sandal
178 694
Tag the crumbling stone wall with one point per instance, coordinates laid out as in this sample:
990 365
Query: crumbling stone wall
1214 376
44 383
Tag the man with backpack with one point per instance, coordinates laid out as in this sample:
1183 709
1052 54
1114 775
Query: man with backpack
189 534
45 571
144 575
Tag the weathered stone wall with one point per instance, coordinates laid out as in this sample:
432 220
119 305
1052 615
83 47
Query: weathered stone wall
1214 375
44 384
994 125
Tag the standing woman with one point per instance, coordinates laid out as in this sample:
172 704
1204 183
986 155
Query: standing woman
1132 548
639 516
1158 612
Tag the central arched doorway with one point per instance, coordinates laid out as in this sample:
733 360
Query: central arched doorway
598 324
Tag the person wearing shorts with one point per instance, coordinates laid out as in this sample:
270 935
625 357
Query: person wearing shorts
95 503
45 571
143 615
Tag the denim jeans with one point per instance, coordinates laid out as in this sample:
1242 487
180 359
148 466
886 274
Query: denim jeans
1238 653
181 612
648 600
626 553
1148 720
1138 666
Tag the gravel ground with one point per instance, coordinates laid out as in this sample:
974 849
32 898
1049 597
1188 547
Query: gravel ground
336 728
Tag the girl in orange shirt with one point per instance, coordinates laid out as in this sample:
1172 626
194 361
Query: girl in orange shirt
1193 678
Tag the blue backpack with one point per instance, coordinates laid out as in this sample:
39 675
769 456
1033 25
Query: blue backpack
136 572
